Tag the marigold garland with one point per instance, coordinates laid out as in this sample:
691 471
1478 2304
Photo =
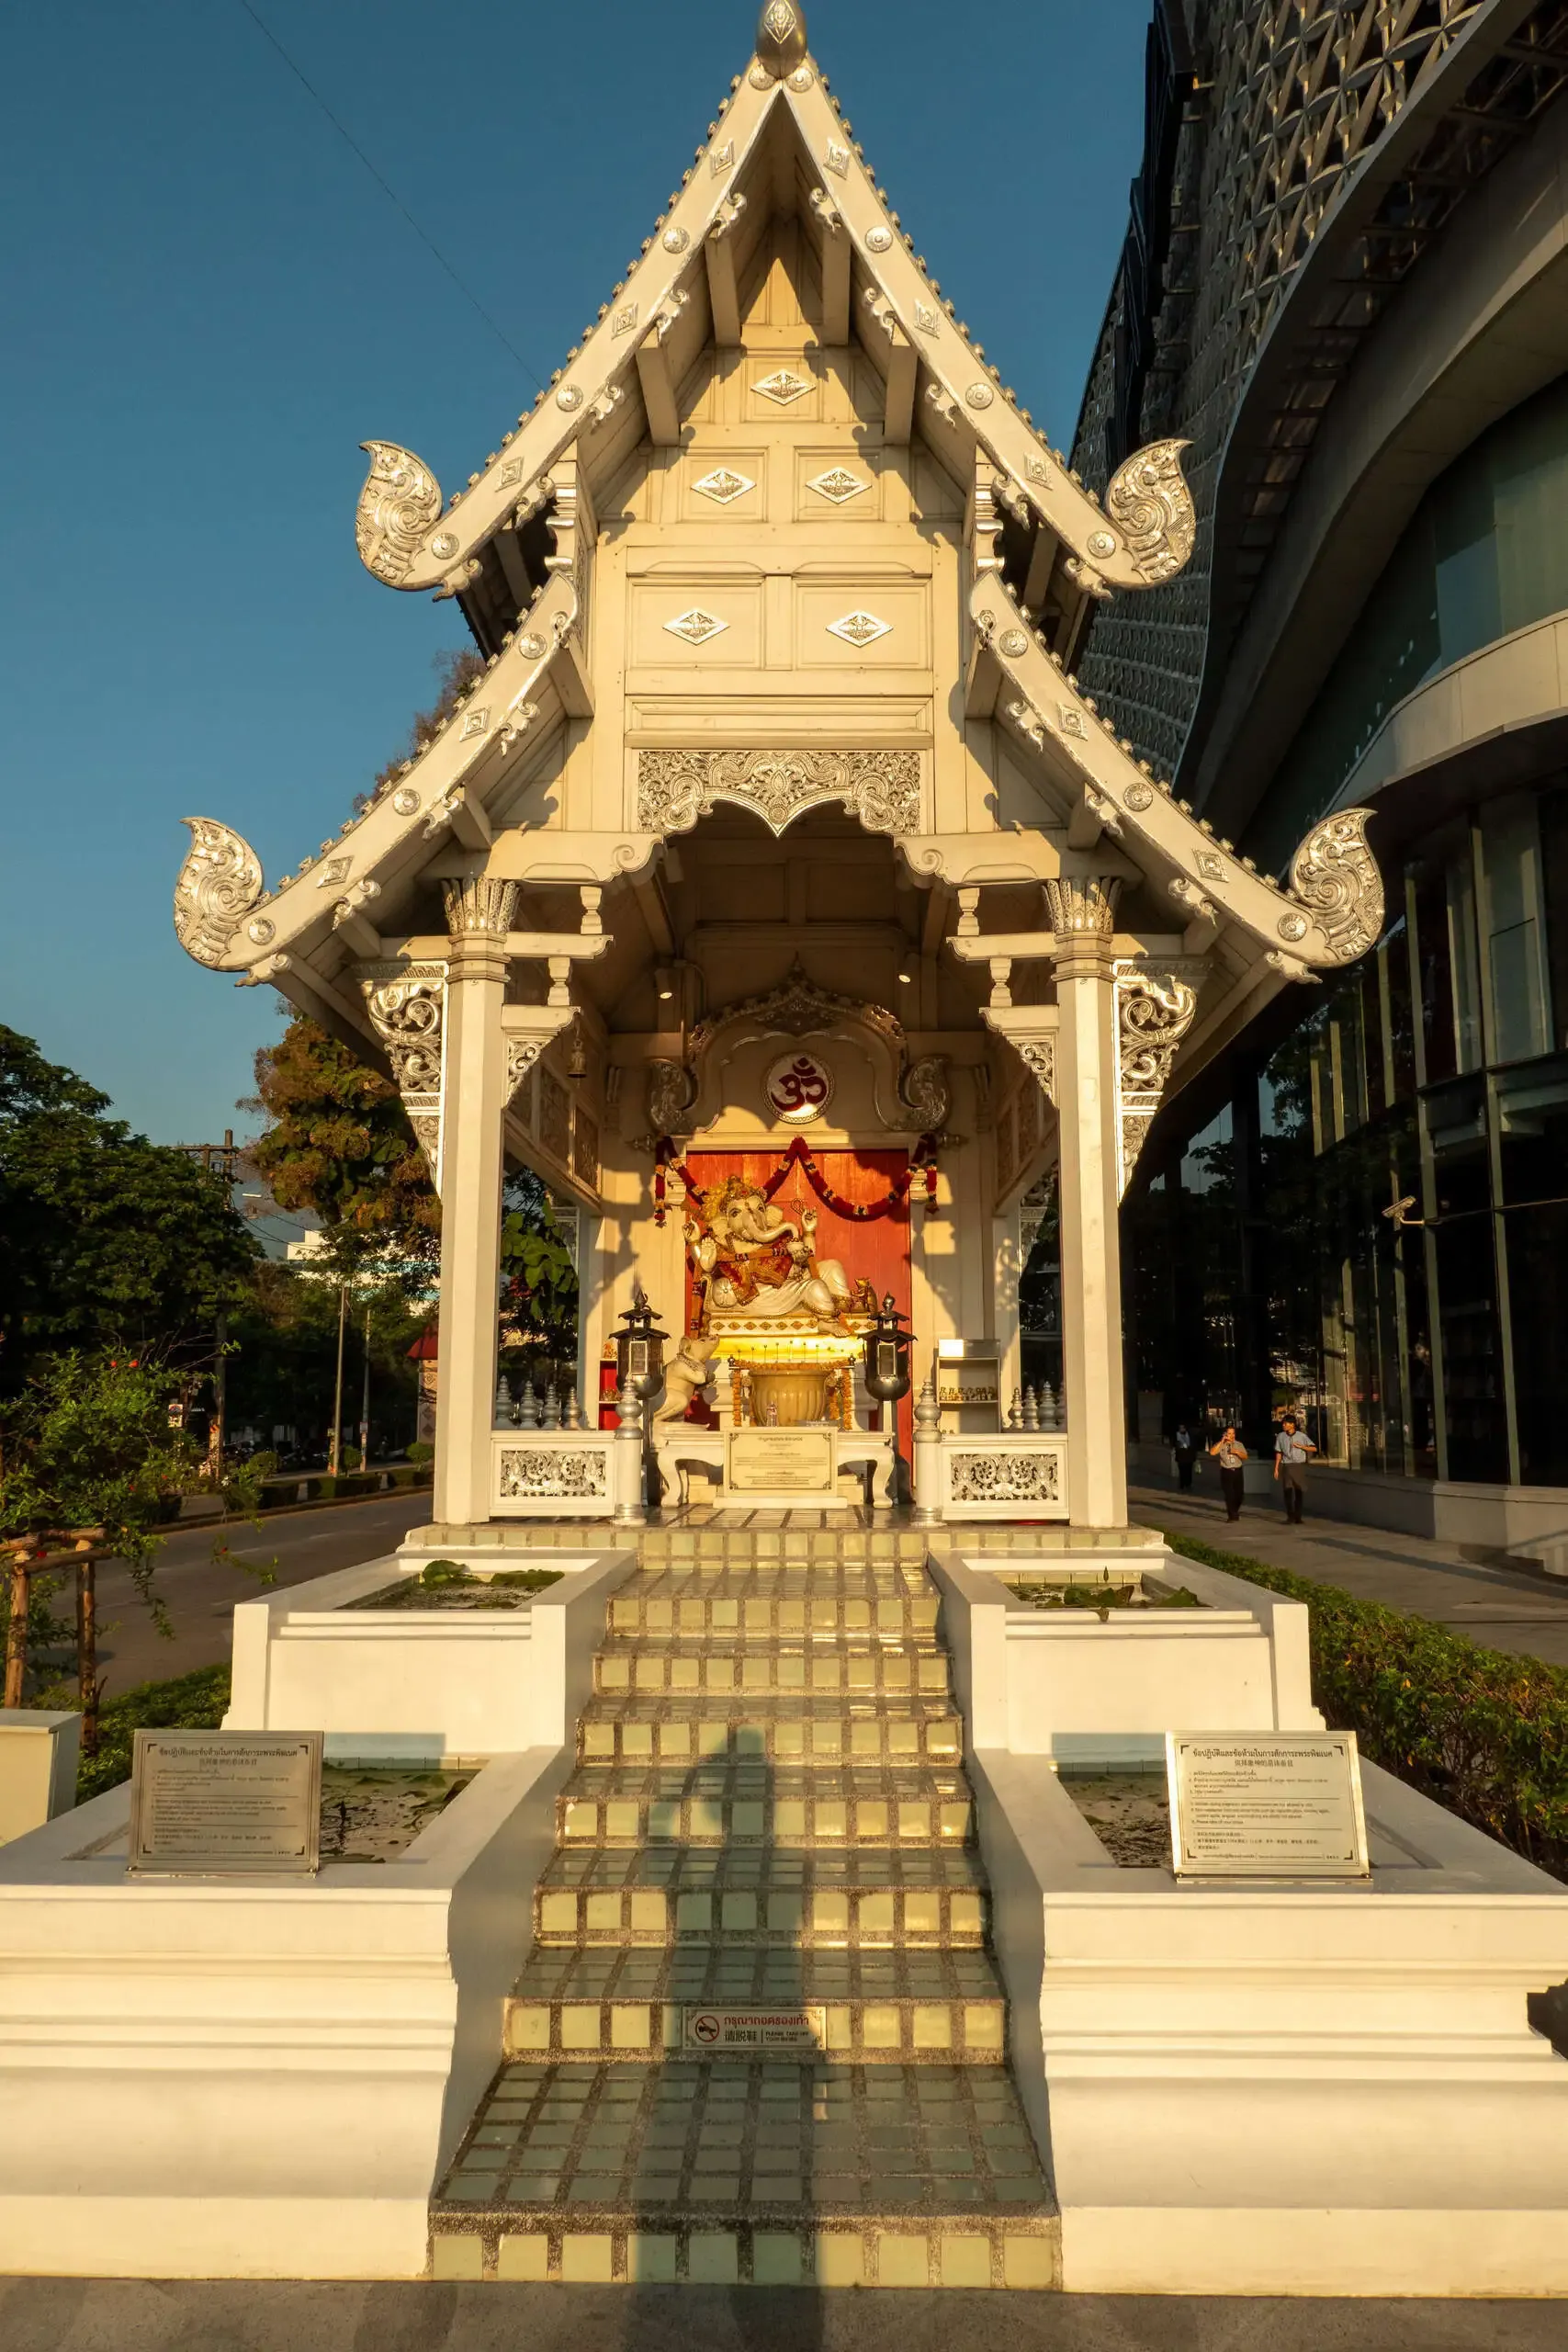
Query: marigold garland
799 1155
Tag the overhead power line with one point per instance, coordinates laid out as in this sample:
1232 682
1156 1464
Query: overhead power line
389 192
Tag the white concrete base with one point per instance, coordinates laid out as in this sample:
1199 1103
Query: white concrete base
1366 2250
256 2081
1285 2089
430 1682
1066 1686
173 2236
39 1755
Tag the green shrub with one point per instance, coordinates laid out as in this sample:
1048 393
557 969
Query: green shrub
191 1703
1482 1733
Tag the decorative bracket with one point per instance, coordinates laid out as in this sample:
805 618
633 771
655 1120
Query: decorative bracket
1156 1001
406 1006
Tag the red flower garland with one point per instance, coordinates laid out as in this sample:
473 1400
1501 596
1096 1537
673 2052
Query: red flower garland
799 1155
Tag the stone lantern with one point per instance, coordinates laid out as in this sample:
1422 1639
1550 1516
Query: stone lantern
640 1351
887 1345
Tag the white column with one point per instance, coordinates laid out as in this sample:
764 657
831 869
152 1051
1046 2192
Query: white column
1083 913
927 1464
628 1467
473 1103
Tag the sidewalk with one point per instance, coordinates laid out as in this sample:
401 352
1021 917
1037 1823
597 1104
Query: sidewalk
1502 1609
270 2315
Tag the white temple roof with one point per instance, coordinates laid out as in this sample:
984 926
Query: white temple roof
779 142
516 546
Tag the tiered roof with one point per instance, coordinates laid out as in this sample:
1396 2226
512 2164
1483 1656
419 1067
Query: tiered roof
515 548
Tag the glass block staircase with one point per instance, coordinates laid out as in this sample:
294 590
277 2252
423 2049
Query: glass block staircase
760 2037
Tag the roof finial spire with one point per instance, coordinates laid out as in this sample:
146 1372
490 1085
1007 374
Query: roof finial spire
781 37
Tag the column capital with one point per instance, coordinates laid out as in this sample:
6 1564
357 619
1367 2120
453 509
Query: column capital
1083 917
479 910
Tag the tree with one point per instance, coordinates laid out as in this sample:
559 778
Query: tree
89 1444
106 1241
456 669
539 1281
283 1368
338 1143
90 1453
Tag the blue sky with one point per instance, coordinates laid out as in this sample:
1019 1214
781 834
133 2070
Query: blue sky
210 303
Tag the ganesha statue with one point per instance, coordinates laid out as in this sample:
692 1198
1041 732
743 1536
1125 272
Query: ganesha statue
753 1260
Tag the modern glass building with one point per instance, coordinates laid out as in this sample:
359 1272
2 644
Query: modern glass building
1346 286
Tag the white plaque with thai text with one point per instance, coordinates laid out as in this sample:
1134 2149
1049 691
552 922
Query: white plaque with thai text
782 1462
226 1803
1265 1805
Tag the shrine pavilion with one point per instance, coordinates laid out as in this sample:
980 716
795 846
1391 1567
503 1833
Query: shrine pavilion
778 868
786 1827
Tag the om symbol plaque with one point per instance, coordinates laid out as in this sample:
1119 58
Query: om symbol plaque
798 1089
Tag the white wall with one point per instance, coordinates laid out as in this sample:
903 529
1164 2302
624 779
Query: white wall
204 2079
426 1682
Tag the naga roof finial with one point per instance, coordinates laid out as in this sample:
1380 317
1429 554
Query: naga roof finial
781 37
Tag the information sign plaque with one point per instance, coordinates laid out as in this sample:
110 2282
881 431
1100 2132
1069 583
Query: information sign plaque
226 1803
1265 1805
781 1462
709 2028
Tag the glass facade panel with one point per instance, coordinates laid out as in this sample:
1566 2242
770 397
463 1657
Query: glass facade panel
1464 968
1472 1366
1486 553
1264 1267
1519 1004
1427 893
1538 1292
1376 1230
1551 819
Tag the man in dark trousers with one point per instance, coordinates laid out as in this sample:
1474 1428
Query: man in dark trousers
1184 1450
1293 1451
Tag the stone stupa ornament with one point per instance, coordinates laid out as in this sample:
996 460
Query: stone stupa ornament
781 37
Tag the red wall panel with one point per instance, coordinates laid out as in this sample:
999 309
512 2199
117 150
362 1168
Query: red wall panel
877 1252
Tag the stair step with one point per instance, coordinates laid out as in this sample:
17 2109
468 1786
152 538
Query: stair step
760 2037
872 2008
831 2174
921 1896
861 2033
744 1805
633 1728
897 1668
701 1616
816 1547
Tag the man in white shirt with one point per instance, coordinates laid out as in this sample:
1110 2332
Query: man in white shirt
1293 1450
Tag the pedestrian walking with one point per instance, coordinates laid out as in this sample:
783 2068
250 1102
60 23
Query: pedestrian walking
1231 1455
1293 1451
1184 1453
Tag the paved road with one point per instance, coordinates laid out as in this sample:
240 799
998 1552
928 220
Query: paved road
1505 1609
200 1595
67 2315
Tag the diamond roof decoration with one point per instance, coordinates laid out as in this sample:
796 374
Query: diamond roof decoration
782 386
722 486
838 485
696 626
859 628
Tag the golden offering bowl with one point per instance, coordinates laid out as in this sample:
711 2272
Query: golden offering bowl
789 1393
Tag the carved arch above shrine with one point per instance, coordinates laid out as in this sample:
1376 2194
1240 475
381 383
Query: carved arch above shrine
911 1094
881 789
